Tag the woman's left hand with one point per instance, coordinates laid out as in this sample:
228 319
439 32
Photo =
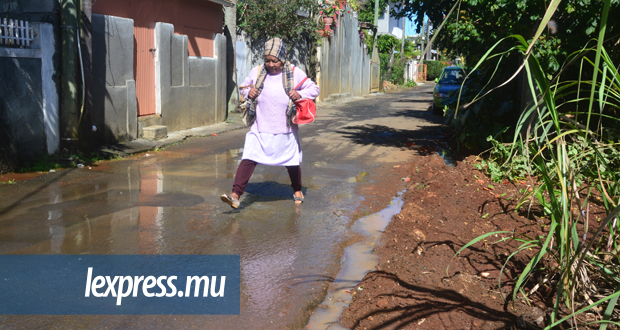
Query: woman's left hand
294 96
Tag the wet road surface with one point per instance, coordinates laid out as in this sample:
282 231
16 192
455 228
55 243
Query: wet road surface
167 202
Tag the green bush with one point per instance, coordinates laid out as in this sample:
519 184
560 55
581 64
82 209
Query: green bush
410 83
384 65
433 69
398 73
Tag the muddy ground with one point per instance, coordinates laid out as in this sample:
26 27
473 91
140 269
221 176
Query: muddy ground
420 284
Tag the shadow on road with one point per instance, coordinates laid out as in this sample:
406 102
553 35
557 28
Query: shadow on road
413 101
35 191
385 136
427 115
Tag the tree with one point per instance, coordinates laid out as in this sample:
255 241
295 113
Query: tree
367 12
478 25
267 18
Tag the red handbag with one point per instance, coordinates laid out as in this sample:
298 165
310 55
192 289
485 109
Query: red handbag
306 109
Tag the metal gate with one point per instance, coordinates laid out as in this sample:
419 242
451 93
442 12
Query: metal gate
374 77
143 14
419 73
144 57
145 69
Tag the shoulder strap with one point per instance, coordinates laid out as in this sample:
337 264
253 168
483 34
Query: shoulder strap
258 73
299 85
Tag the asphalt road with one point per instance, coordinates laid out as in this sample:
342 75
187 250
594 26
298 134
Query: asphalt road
167 202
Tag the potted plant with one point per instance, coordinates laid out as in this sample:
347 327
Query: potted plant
329 11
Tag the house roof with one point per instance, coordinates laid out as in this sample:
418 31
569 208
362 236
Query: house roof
224 3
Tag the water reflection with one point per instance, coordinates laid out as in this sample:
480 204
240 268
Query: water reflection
157 205
150 222
56 229
231 159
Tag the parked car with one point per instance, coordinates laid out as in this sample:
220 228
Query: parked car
448 85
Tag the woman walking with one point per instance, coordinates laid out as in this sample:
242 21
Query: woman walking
272 139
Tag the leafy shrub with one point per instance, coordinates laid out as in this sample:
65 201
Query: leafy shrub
398 73
384 66
502 164
433 69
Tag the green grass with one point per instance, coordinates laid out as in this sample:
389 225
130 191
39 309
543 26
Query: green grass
572 147
56 162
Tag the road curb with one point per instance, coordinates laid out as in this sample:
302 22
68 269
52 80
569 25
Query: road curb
124 149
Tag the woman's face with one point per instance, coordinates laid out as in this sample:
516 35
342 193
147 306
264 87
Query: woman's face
273 64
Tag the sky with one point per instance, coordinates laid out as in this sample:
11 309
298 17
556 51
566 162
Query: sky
411 26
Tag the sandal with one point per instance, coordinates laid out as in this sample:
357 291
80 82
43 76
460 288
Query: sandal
234 203
300 199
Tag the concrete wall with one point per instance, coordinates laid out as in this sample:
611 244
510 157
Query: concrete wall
29 100
388 24
113 88
344 62
18 64
191 90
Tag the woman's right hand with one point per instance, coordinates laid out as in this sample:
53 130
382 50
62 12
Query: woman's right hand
253 93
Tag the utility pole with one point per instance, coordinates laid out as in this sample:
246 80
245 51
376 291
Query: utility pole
423 40
86 28
375 50
402 46
429 46
69 111
230 31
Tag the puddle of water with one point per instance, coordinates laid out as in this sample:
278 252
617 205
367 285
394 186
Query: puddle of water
166 204
361 177
447 156
358 260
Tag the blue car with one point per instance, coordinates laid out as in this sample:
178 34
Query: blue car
450 81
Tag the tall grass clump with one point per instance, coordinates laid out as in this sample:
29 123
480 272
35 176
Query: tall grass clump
569 135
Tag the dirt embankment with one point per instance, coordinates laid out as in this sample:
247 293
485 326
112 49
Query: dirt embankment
413 287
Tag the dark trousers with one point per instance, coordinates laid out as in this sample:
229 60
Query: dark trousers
246 168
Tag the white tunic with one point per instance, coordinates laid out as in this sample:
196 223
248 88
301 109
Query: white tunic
272 149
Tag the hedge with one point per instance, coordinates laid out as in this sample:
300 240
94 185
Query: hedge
433 69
